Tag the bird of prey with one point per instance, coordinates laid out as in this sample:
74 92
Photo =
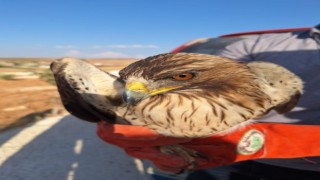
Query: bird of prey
179 95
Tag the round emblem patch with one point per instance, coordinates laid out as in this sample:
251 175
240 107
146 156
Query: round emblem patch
251 142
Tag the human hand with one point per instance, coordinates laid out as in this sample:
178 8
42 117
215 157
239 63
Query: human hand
127 136
255 141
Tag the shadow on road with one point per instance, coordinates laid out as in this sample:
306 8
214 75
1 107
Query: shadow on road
68 150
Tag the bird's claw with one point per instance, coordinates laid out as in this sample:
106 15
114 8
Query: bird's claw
189 155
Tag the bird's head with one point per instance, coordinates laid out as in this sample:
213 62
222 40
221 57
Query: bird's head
172 73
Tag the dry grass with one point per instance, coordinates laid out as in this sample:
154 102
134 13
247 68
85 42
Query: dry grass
27 100
7 77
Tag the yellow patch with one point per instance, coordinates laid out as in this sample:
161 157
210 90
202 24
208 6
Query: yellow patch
141 88
137 87
164 89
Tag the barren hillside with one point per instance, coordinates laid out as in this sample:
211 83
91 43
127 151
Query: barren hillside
28 92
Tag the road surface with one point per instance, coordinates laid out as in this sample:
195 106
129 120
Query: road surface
63 148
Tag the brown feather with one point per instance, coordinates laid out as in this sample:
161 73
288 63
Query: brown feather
222 93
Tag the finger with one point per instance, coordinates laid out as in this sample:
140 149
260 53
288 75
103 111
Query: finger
140 143
163 161
118 131
153 154
134 136
165 168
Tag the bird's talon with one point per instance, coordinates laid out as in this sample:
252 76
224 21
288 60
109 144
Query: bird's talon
187 154
198 154
192 165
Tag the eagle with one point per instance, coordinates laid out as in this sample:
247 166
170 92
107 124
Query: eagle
185 95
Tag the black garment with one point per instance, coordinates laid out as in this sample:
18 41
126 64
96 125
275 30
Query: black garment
315 33
251 170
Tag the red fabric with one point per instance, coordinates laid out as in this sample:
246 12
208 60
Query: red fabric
280 141
126 136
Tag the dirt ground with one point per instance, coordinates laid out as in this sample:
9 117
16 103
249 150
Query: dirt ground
28 98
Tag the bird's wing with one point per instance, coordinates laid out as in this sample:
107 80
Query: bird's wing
283 86
86 91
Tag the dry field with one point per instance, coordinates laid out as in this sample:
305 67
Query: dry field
27 90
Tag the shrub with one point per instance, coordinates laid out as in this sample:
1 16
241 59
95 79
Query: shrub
47 76
7 77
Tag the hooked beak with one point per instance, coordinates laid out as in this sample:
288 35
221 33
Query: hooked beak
137 91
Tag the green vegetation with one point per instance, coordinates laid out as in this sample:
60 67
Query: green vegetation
7 77
47 76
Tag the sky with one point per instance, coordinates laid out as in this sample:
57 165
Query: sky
136 28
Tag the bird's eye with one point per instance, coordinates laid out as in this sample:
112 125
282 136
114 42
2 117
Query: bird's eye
183 76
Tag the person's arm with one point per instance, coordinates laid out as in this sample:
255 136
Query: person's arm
255 141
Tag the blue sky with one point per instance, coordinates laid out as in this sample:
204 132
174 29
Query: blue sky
135 28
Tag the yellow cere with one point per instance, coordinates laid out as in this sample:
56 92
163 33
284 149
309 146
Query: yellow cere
141 88
137 87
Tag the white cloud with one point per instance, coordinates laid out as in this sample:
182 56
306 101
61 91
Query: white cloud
139 56
126 46
65 47
104 54
96 47
134 46
149 46
109 54
73 53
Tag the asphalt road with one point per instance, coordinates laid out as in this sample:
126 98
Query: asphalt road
63 148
